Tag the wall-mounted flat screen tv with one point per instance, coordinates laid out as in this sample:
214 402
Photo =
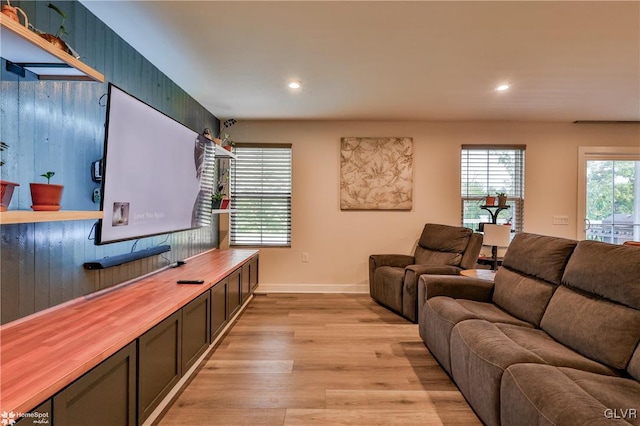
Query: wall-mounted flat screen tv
157 173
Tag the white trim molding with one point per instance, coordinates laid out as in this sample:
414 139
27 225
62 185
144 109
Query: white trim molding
312 288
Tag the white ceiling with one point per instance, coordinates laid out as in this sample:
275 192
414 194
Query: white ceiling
393 60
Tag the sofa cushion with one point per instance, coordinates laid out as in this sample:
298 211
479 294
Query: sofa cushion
444 238
442 244
523 296
532 269
440 314
634 365
606 270
535 394
599 329
539 256
481 351
434 257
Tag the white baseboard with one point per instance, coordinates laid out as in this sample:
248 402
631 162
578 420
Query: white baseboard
312 288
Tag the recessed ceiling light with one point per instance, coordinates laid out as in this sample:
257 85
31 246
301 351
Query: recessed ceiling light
502 87
294 84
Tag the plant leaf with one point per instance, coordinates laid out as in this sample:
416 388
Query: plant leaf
54 7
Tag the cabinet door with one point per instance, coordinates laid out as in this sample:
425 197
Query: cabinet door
233 292
244 276
219 311
195 329
106 395
39 416
159 363
253 273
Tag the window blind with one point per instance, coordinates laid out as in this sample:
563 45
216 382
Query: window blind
261 195
487 170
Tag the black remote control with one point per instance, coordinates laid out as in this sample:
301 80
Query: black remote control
190 281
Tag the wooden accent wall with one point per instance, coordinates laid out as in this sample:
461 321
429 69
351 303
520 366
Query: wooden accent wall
59 126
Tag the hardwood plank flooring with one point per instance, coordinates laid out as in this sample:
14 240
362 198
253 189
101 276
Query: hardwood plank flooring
319 359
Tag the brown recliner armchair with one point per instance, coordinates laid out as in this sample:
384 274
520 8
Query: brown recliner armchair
441 250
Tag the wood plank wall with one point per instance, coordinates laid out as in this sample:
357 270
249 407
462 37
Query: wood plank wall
59 126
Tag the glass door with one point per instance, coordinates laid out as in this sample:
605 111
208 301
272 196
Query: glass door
611 206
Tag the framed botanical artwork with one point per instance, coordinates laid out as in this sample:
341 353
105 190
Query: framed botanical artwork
376 173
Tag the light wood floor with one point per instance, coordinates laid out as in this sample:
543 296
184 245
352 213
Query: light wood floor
314 359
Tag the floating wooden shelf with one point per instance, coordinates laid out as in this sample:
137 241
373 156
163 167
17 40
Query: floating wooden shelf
28 50
27 216
223 153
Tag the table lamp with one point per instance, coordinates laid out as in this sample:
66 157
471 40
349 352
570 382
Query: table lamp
496 236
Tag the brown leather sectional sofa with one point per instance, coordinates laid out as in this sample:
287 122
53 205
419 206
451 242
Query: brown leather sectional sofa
555 341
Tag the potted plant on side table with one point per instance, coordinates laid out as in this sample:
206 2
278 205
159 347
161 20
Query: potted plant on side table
6 187
46 196
502 199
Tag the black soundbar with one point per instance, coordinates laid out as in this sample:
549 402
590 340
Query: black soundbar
109 261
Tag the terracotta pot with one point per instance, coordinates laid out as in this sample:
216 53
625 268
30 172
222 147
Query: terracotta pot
6 192
228 147
56 41
46 196
490 200
502 200
12 13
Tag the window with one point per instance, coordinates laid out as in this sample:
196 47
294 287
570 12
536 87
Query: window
609 194
487 170
261 195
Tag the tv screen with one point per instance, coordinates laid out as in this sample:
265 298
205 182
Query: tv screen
158 173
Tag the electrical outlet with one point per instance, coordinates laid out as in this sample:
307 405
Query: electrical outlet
305 257
96 196
560 220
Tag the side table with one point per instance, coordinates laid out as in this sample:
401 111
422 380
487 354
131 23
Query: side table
482 274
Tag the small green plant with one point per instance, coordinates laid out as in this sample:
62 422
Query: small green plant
48 176
218 194
62 30
501 194
3 146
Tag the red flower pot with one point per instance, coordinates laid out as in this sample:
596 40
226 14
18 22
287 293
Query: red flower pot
46 196
6 192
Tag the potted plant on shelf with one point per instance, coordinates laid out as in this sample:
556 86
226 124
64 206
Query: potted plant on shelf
56 39
217 197
12 13
46 196
490 200
227 143
6 187
502 199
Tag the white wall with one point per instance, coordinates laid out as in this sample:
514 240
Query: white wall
340 242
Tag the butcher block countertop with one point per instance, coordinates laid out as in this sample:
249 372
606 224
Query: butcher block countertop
44 352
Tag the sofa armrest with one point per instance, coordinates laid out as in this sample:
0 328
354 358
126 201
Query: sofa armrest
456 287
410 285
418 270
397 260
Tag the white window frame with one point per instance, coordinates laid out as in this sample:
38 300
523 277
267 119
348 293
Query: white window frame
590 153
260 205
515 197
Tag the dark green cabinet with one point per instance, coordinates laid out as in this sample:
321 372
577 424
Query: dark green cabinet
244 278
159 363
196 333
219 313
106 395
233 292
253 273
